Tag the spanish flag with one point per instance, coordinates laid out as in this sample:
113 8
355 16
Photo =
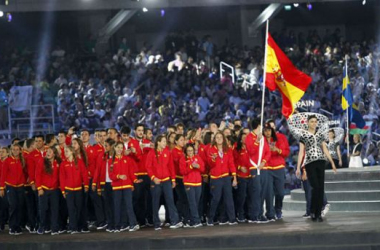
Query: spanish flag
281 74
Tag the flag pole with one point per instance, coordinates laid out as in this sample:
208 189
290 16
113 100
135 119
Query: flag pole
348 123
261 147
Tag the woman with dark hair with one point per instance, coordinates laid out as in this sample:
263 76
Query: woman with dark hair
12 181
182 204
170 140
81 155
47 183
279 150
241 159
123 177
160 167
191 167
102 183
222 167
72 176
310 130
205 197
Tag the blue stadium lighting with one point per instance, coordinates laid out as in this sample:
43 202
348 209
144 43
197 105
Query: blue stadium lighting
9 17
162 13
309 6
288 7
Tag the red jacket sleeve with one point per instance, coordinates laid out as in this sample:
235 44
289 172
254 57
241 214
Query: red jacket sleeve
151 157
231 163
201 165
131 170
4 174
171 167
31 166
62 177
283 145
183 169
39 170
266 152
84 173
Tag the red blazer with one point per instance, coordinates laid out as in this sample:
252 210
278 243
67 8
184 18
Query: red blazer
124 165
47 181
177 154
253 148
221 167
277 159
202 152
241 159
162 166
12 173
72 177
191 176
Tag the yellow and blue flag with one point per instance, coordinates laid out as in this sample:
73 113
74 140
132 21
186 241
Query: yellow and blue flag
348 103
347 98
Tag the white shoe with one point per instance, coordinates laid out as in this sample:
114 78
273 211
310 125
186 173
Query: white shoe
178 225
135 228
326 210
198 225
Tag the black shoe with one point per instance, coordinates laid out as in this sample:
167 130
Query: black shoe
320 219
306 216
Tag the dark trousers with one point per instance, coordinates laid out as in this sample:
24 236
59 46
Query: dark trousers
276 182
97 204
83 217
242 193
107 198
204 203
193 196
316 176
63 212
74 201
142 201
123 196
49 203
219 187
4 206
307 188
254 191
264 194
182 203
166 189
16 199
31 200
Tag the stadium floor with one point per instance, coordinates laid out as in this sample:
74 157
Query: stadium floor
338 231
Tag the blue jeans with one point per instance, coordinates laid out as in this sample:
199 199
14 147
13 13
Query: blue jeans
219 187
157 190
193 196
182 203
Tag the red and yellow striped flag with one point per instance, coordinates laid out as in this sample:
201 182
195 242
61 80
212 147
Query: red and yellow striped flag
281 74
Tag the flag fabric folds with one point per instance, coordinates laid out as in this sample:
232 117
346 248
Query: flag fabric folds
356 117
347 98
281 74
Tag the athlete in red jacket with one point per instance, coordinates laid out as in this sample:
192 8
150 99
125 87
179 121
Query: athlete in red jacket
47 183
192 167
159 164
